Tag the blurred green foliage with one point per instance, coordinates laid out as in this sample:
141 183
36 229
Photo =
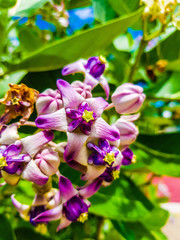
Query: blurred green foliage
129 208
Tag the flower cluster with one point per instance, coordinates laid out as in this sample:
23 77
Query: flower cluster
93 147
158 9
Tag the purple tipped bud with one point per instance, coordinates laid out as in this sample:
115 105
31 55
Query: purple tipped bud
83 89
128 132
48 161
128 98
127 156
48 102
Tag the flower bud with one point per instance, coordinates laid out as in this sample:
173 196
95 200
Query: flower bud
48 161
128 98
83 89
48 102
128 132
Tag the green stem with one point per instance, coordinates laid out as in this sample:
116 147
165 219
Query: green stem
100 227
137 60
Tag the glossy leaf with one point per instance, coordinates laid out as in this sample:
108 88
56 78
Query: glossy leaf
6 232
85 44
28 8
5 4
158 153
124 201
14 77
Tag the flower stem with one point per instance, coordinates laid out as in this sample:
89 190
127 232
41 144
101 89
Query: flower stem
111 105
137 60
29 123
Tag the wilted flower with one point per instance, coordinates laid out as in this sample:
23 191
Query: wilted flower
93 68
128 98
19 101
48 101
158 9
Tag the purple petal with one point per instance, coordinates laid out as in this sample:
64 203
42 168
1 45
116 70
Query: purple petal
63 224
93 172
12 150
74 124
74 207
101 129
18 159
104 144
97 105
88 190
74 145
66 188
21 208
93 146
33 174
74 114
9 134
90 80
97 70
91 62
56 121
130 118
70 97
32 144
75 67
104 84
50 215
96 159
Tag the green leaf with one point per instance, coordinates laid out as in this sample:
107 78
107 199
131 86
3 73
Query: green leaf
28 8
79 3
25 233
158 153
102 10
6 232
85 44
5 4
170 87
14 77
174 65
124 7
124 201
136 231
29 40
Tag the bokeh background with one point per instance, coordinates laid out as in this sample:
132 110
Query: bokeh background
38 38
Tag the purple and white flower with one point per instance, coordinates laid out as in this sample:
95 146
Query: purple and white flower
72 204
128 98
93 68
48 101
80 117
128 131
17 158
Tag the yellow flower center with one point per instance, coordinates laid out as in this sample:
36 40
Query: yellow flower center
102 59
83 217
133 159
109 158
3 162
87 115
115 174
15 101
